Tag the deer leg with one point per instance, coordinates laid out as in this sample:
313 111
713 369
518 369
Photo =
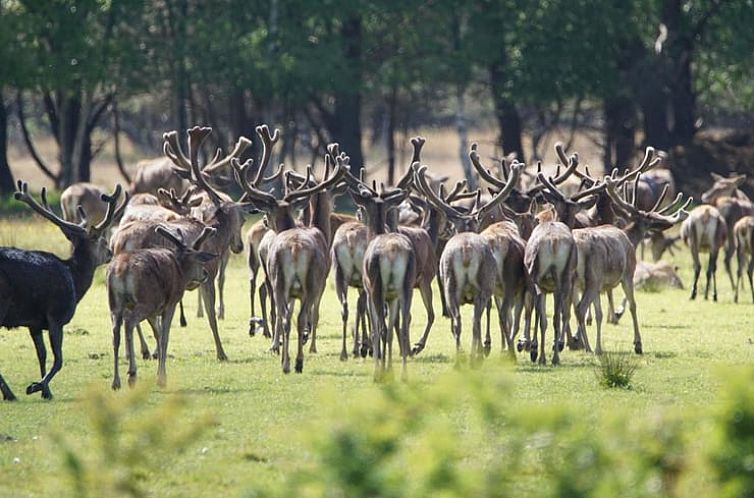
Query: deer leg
712 275
284 317
200 305
393 323
311 329
183 321
524 344
426 294
221 286
488 337
557 317
598 319
405 327
117 323
39 346
252 294
207 290
361 342
628 289
697 269
729 249
749 272
542 318
443 298
341 290
302 324
56 344
130 354
165 322
145 353
587 298
264 291
378 324
5 389
741 259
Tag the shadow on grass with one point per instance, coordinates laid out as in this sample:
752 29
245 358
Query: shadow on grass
343 373
213 390
433 358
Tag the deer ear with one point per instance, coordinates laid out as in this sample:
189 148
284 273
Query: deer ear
589 202
196 201
717 177
740 179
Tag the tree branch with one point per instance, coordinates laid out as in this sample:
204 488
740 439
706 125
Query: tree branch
29 144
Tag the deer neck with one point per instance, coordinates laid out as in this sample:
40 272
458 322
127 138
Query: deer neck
320 208
634 233
82 264
377 220
281 219
434 227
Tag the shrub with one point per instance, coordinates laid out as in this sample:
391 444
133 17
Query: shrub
616 370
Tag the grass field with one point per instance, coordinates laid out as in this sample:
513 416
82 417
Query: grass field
259 417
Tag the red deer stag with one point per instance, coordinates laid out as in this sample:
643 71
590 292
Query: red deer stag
297 262
743 233
147 284
704 230
40 291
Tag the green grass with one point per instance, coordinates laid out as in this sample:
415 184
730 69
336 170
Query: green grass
260 416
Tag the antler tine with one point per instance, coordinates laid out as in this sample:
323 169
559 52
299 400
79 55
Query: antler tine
112 201
196 137
268 141
172 149
635 192
337 173
596 188
82 214
570 163
626 207
417 143
421 183
239 172
673 206
483 172
175 239
242 144
207 232
22 194
516 169
661 198
460 185
548 183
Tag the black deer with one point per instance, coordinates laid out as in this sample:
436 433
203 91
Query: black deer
40 291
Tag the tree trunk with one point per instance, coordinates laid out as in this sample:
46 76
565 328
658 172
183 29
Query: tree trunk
508 119
241 123
620 131
391 125
7 185
679 52
463 135
346 127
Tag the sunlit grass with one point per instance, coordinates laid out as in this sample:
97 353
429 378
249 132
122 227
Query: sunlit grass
260 414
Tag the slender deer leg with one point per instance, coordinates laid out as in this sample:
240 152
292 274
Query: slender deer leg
39 344
5 389
697 267
183 321
144 347
713 270
728 251
56 344
542 317
598 319
131 355
341 290
425 290
628 289
199 305
301 326
749 272
117 322
165 322
488 338
221 286
207 290
741 259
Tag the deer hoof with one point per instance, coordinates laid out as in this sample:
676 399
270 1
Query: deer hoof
343 355
555 360
637 348
299 365
561 346
418 348
313 349
116 385
533 352
9 396
589 321
131 380
221 356
33 387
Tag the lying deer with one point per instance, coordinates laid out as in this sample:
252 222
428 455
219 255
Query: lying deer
147 284
40 291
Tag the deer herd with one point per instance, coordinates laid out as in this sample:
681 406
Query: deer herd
509 245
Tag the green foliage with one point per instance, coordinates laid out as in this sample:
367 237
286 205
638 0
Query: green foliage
732 453
128 438
615 369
